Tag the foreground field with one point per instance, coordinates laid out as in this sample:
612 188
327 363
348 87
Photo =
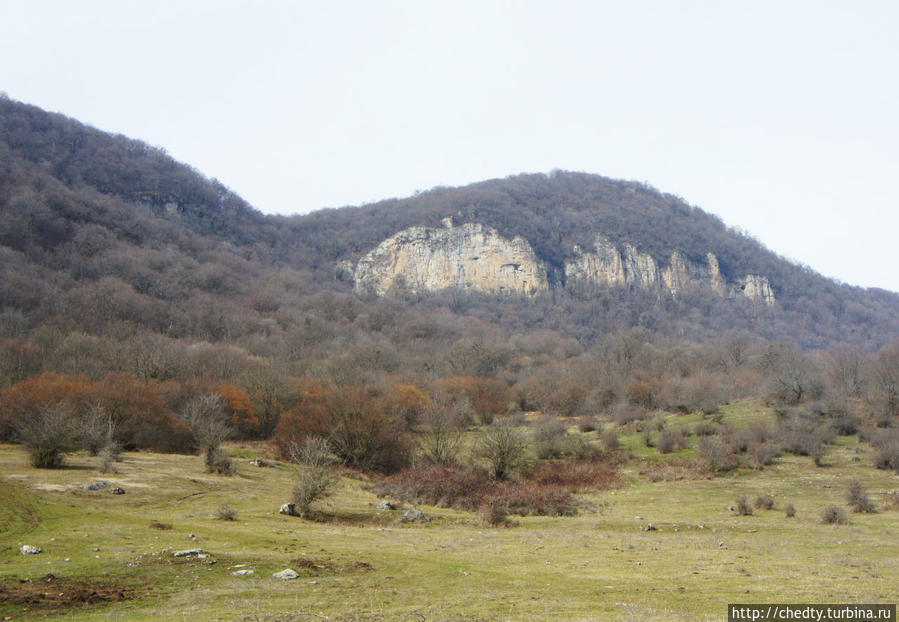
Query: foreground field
110 556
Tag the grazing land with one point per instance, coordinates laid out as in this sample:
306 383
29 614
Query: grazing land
108 556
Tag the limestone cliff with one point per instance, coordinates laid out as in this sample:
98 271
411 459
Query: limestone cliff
628 267
470 256
476 257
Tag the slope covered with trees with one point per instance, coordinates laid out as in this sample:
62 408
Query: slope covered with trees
132 284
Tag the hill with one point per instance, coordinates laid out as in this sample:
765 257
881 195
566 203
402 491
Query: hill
80 205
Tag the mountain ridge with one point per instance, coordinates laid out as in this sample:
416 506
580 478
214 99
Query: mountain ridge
71 196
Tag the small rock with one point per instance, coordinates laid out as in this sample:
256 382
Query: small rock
117 491
286 574
412 515
187 552
27 549
386 505
241 573
650 527
99 485
288 508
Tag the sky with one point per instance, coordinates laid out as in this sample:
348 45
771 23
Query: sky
781 117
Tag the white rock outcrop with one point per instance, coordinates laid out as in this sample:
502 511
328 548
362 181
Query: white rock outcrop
476 257
470 257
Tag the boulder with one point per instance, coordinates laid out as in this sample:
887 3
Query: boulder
286 574
187 552
27 549
288 508
241 573
386 505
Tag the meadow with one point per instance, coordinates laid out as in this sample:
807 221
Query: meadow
107 556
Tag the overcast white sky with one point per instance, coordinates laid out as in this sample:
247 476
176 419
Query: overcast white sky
781 117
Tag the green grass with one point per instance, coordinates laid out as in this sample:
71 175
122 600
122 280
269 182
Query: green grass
599 565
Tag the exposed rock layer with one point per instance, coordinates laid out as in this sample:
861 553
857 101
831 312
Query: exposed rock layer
476 257
471 256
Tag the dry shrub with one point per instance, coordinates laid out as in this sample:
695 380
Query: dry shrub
858 498
530 499
221 463
577 476
609 440
670 440
790 510
161 526
675 469
764 502
743 508
226 512
717 455
467 488
494 513
833 515
446 485
705 428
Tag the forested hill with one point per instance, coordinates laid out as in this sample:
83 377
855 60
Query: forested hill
104 231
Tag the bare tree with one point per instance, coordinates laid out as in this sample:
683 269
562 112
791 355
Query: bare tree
317 477
504 447
48 435
205 416
443 428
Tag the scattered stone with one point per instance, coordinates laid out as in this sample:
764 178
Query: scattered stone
117 491
286 574
650 527
386 505
412 515
187 552
98 485
27 549
288 508
242 573
239 566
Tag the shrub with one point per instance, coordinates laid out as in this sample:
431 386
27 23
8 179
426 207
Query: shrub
609 440
790 510
446 485
577 475
764 454
764 502
717 455
743 508
504 447
316 478
494 512
226 512
833 515
845 424
670 440
858 498
48 436
221 463
705 428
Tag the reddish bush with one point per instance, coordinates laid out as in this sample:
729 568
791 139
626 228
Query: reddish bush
577 476
359 428
469 488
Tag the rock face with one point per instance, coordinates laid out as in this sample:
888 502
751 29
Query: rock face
608 265
471 257
476 257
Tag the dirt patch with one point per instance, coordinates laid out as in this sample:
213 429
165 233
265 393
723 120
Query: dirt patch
51 592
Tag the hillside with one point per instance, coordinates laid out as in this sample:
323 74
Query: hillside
80 206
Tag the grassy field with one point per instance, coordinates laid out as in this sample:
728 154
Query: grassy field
358 563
